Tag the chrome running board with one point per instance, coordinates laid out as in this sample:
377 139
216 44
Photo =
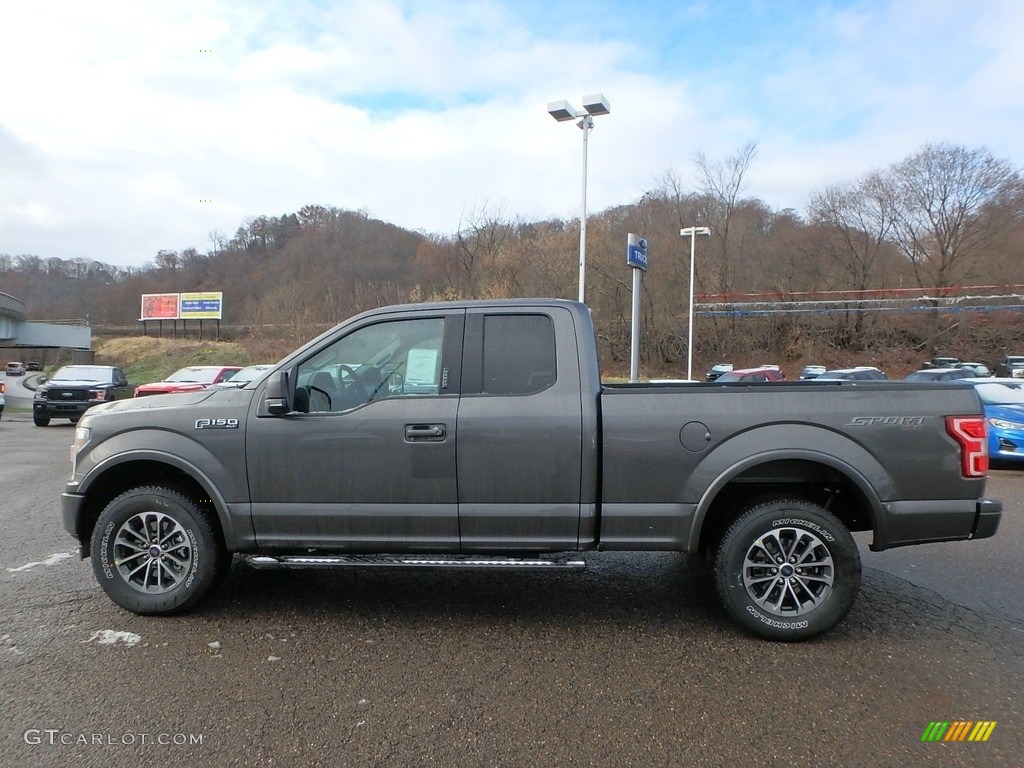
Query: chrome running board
411 561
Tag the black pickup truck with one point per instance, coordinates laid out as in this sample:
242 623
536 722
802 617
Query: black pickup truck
480 435
74 389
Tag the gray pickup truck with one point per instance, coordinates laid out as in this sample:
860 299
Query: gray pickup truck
479 435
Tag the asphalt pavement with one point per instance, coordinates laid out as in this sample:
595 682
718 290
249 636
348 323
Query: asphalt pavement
630 663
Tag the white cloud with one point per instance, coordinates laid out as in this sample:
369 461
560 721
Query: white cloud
124 115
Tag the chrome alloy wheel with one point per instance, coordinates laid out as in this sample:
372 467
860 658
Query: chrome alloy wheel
788 571
152 552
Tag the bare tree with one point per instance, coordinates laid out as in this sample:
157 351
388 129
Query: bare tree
942 195
858 219
722 184
480 240
218 240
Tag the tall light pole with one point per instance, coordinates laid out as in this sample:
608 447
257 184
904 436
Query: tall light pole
595 104
691 232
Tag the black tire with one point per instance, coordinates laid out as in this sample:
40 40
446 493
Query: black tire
185 558
787 570
40 421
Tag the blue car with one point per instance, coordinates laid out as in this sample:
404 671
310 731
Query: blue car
1003 400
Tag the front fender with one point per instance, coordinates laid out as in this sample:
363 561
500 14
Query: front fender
221 486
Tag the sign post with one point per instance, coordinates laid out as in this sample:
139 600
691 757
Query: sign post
636 258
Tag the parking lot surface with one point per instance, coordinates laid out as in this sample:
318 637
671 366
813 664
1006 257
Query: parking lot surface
630 663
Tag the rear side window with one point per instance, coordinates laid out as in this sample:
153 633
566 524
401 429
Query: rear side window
518 354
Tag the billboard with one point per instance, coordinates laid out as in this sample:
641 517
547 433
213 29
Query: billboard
182 306
159 306
201 306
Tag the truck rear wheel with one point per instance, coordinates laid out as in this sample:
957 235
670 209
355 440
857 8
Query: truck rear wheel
155 552
787 569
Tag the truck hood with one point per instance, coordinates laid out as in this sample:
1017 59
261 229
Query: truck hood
163 402
75 384
160 386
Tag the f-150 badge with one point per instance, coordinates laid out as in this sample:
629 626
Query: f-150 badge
216 423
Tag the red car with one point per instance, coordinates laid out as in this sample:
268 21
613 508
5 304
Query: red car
190 379
764 373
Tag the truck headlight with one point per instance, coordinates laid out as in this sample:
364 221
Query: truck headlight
82 436
1003 424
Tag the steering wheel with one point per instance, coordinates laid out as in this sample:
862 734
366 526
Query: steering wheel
355 392
398 387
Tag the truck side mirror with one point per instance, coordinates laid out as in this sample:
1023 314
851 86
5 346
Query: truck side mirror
275 397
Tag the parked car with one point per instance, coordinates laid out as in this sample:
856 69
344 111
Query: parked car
74 389
940 362
979 369
859 373
189 379
15 369
938 374
763 373
1011 366
33 365
717 370
812 371
1003 401
248 374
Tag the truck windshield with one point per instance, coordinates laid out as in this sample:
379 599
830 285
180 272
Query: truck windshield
82 373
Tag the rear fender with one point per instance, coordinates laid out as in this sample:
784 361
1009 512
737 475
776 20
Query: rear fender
801 442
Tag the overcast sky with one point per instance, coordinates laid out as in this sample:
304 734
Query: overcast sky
131 127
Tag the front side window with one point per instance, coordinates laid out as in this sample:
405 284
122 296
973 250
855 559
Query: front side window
391 359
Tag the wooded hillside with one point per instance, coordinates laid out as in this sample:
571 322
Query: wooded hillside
924 256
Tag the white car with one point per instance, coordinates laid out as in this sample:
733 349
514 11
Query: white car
243 377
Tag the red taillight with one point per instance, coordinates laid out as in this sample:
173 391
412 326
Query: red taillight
971 433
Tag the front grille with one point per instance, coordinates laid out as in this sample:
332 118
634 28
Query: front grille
67 395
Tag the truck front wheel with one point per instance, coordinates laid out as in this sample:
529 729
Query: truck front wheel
787 569
155 552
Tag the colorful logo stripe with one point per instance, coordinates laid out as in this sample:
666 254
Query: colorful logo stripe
959 730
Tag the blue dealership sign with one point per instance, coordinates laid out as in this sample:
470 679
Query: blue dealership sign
636 252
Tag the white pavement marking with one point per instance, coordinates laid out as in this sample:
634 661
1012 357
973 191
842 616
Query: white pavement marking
51 560
109 637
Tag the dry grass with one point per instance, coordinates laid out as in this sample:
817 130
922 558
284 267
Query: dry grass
148 358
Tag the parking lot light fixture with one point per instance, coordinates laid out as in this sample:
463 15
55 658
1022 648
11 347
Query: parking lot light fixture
691 232
562 111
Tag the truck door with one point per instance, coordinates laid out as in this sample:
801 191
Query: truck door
520 428
366 460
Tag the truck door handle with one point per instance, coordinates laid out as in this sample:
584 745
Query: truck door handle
425 433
